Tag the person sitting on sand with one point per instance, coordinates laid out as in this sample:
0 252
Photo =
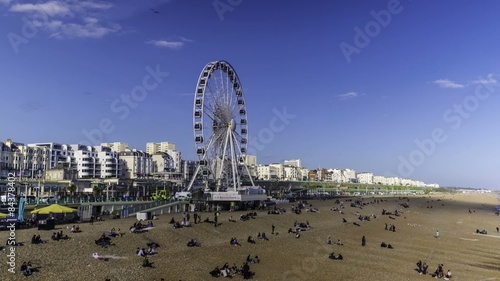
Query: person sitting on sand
339 242
264 237
60 236
25 269
329 240
419 266
193 243
150 251
54 236
140 252
250 240
424 268
216 272
448 275
147 263
234 242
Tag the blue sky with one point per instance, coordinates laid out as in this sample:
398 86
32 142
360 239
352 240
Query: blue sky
414 94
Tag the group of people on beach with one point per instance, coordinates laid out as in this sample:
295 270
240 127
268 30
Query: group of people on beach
230 272
57 236
422 268
27 269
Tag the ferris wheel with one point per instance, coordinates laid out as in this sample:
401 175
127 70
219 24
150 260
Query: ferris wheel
220 126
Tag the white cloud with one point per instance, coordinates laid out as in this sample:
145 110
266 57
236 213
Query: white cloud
446 83
488 80
51 8
349 95
69 19
174 45
5 2
91 29
94 5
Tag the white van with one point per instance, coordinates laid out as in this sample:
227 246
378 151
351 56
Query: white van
48 199
183 195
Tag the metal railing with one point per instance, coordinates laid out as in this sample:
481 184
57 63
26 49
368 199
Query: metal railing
80 200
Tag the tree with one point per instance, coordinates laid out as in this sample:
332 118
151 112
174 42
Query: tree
71 189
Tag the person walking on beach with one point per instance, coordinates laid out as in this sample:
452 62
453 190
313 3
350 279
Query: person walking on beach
272 229
424 268
498 229
363 241
437 234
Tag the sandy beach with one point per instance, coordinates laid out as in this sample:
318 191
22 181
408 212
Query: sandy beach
469 256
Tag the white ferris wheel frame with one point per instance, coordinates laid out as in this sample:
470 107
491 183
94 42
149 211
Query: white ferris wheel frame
231 137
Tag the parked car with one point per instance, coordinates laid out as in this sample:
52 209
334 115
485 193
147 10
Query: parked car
48 199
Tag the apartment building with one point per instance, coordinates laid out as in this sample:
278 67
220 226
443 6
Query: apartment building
158 147
136 164
365 178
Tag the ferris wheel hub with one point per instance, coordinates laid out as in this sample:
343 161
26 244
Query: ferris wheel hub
232 125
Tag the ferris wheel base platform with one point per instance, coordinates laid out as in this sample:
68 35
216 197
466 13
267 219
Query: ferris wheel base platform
234 196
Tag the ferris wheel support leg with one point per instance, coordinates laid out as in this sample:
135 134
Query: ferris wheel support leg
193 178
249 175
233 164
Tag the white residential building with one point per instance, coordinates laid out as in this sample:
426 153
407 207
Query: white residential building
264 172
393 181
94 162
116 146
365 178
348 175
156 147
251 160
380 180
136 164
292 173
294 162
303 173
276 171
336 175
